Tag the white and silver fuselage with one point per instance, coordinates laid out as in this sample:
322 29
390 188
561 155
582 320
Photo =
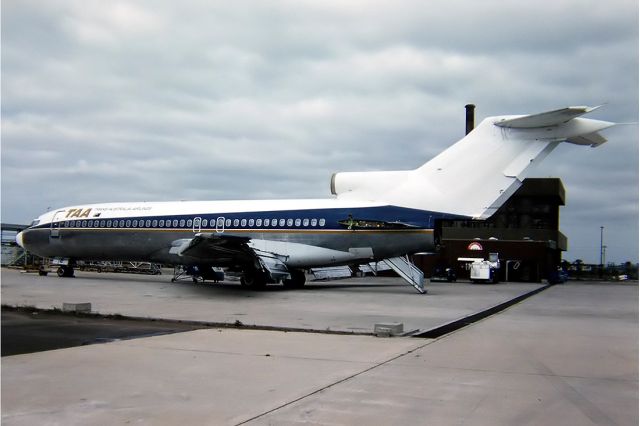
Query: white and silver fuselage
305 233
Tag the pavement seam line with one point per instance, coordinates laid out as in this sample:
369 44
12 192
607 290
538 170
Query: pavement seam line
506 307
330 385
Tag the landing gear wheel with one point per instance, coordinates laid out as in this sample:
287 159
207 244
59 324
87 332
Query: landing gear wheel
254 279
65 272
297 279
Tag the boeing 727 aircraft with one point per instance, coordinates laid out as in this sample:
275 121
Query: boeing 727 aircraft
373 216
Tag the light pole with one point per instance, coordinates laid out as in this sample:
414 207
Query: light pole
601 248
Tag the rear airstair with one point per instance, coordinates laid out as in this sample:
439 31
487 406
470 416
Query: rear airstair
407 271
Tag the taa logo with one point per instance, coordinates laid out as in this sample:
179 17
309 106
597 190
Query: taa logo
77 213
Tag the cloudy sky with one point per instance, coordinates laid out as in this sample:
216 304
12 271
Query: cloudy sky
202 100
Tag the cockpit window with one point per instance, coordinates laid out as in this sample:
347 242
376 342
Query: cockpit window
35 222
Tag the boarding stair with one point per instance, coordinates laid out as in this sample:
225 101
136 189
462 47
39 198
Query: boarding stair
407 271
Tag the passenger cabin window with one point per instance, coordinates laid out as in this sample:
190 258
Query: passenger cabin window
103 223
121 223
322 222
175 223
109 224
72 223
205 222
314 222
161 223
90 224
154 224
298 222
305 222
134 223
227 223
220 223
147 223
182 222
289 222
251 223
128 224
236 222
258 222
243 223
281 223
274 222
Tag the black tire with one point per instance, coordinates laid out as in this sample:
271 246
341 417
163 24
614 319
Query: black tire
257 280
297 279
65 272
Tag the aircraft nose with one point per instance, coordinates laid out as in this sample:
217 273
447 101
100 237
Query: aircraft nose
20 239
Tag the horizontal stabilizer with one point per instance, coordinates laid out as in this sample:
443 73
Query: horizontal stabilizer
592 139
545 119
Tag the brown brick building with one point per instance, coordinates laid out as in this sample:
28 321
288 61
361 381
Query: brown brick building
524 231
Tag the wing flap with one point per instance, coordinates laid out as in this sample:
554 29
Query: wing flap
207 246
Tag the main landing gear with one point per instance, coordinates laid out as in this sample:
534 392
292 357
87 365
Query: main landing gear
297 279
258 280
65 271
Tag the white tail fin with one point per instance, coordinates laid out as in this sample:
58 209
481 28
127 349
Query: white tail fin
475 176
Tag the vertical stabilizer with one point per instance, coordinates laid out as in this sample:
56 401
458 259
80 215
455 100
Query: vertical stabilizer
475 176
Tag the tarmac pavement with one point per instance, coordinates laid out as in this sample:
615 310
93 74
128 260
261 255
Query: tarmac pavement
568 355
352 305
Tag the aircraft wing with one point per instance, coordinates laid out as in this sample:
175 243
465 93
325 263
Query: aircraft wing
208 246
229 249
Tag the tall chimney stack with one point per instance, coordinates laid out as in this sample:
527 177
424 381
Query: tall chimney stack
470 118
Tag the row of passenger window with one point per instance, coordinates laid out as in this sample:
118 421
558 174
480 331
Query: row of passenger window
199 223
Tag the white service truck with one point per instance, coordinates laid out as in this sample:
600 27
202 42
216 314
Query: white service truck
485 270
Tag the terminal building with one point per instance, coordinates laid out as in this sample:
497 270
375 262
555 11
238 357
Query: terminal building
524 232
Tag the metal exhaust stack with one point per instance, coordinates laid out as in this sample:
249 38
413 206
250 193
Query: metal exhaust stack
470 118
